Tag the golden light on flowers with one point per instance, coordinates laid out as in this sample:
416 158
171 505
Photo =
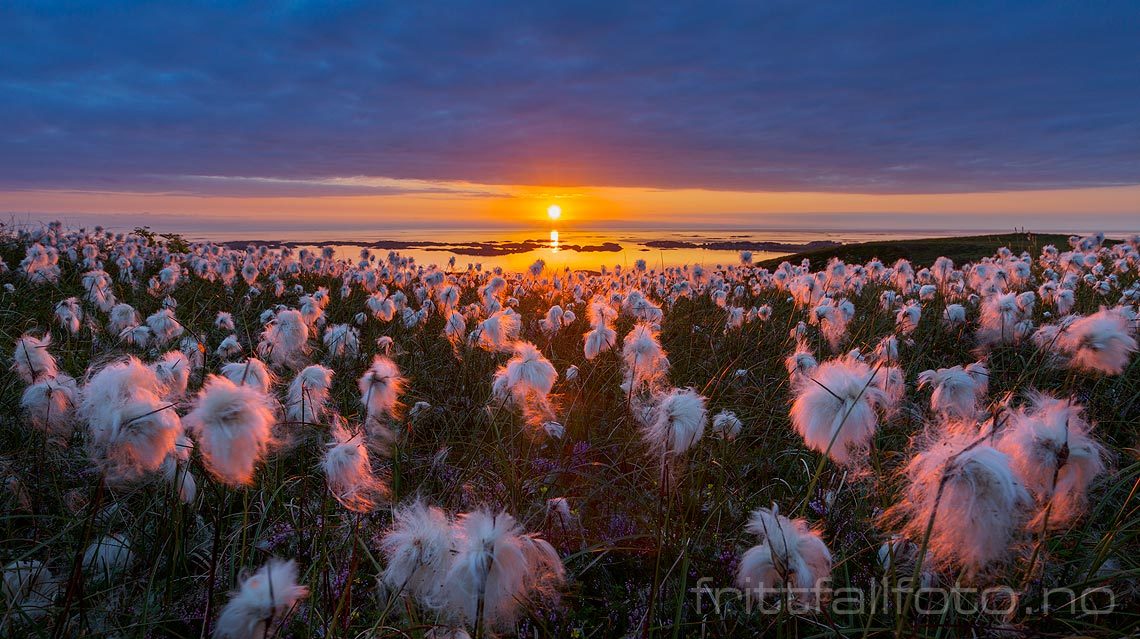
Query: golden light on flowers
554 211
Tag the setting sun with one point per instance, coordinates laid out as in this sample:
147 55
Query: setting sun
554 211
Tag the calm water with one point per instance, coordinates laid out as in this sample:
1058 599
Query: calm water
555 246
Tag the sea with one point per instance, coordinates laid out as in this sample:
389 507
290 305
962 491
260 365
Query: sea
559 248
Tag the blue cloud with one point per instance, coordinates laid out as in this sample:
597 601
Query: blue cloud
869 96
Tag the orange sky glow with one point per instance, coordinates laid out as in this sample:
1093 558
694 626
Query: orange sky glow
475 205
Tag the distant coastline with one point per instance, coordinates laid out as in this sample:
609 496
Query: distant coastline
499 248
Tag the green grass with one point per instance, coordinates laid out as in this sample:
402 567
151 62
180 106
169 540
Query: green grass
923 252
629 540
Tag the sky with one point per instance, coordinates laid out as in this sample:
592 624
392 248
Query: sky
921 113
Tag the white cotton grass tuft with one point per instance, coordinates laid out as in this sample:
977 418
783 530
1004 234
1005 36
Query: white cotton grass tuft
252 372
529 371
790 555
835 408
526 381
497 564
552 322
30 589
229 347
801 364
598 340
967 494
418 549
348 472
164 326
108 557
111 386
122 317
601 337
726 425
645 362
954 315
455 327
999 319
262 602
50 406
308 395
131 429
677 421
1098 343
908 317
957 391
176 470
499 331
31 359
136 440
898 556
1053 452
233 427
285 340
380 387
69 315
224 321
172 371
342 342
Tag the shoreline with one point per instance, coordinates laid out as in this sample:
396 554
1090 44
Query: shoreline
500 248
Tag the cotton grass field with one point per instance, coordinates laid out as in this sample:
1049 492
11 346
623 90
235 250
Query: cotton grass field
199 441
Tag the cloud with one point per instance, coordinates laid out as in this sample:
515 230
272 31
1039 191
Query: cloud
874 97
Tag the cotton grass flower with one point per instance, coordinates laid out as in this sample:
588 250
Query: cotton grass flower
130 428
601 337
801 364
1000 316
50 406
229 347
380 387
499 331
108 557
69 315
233 427
176 470
1098 343
598 340
172 371
496 570
348 471
30 589
164 327
136 440
645 362
834 409
224 321
677 421
252 372
418 551
285 340
957 391
31 359
308 395
122 317
966 495
526 380
907 318
726 425
342 342
262 602
1053 452
790 555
